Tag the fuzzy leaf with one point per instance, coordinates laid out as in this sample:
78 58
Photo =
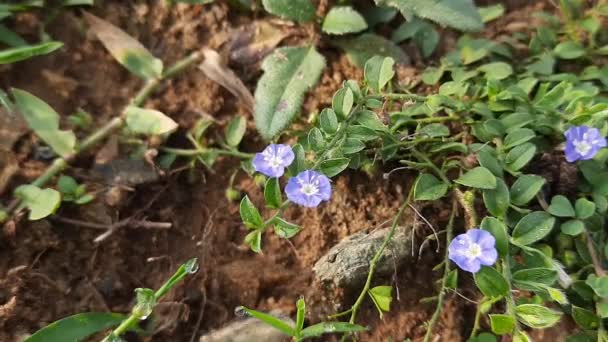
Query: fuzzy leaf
502 324
537 316
297 10
235 131
525 188
497 200
288 74
40 202
429 188
125 49
24 52
491 282
365 46
149 121
45 122
479 177
272 193
343 19
379 71
533 227
459 14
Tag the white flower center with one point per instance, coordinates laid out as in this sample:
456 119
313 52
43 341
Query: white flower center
275 161
474 251
581 146
309 189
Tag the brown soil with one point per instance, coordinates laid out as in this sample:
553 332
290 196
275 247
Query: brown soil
49 270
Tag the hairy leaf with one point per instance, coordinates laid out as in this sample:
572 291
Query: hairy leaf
297 10
45 122
363 47
459 14
343 19
288 74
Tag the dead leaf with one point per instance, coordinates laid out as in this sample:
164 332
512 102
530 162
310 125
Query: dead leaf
213 68
8 168
126 50
252 43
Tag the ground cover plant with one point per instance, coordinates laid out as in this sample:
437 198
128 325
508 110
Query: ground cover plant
490 154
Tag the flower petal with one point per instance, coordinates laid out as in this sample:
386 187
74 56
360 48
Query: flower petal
571 154
488 256
486 240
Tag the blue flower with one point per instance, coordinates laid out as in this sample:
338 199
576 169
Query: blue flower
472 249
583 142
273 160
308 188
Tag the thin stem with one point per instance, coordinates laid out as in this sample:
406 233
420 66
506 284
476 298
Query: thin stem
412 97
196 152
432 165
444 282
339 135
277 213
476 322
59 164
377 256
597 265
506 272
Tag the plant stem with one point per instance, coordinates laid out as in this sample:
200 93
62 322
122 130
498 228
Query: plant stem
195 152
339 135
597 265
446 270
506 272
476 322
413 97
374 262
59 164
432 165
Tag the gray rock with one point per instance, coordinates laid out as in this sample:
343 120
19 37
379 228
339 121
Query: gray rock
346 264
247 330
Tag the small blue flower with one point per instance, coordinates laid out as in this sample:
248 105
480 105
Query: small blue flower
308 188
472 249
583 142
273 160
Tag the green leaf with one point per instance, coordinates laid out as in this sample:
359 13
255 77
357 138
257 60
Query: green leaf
235 131
533 227
288 74
10 38
369 119
496 70
125 49
367 45
148 121
296 10
518 137
382 298
586 319
40 202
598 284
315 139
333 167
343 19
569 50
525 188
483 337
489 161
24 52
284 229
45 122
573 227
499 231
432 75
459 14
497 200
254 240
328 121
502 324
546 276
520 156
537 316
76 327
67 185
145 302
300 315
273 321
490 13
351 146
272 193
434 130
584 208
491 282
299 162
331 327
379 71
561 207
479 177
342 101
250 215
429 188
